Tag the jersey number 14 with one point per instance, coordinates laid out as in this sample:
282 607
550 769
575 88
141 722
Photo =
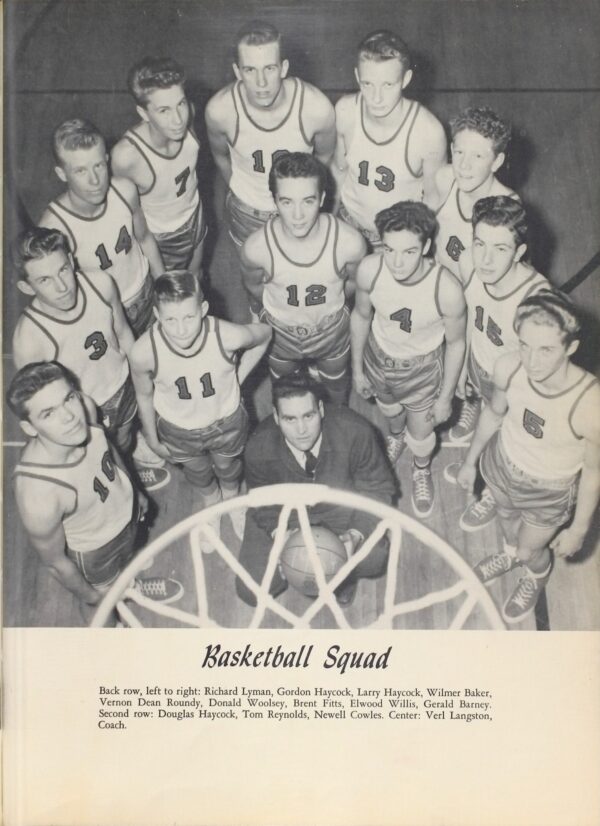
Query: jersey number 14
123 245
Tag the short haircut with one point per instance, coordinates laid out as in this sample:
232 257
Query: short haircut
30 380
257 33
553 308
485 122
297 165
153 73
77 133
384 45
502 211
177 285
296 384
36 243
413 216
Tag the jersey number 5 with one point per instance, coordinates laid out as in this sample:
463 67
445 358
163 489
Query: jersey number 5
123 245
108 469
207 387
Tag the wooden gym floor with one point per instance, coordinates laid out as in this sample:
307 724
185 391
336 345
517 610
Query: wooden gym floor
538 65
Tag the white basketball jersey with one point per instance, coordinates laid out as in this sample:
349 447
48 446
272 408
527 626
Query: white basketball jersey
408 321
379 173
537 432
254 148
194 388
300 294
173 195
491 319
105 242
86 344
455 232
104 496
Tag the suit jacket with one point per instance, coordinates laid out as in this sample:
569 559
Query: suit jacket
350 458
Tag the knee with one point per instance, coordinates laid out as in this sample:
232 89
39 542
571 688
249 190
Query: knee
228 470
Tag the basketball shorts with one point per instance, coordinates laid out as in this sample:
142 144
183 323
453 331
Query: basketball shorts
414 382
103 565
370 236
542 503
177 248
242 219
329 339
139 310
226 437
120 409
479 379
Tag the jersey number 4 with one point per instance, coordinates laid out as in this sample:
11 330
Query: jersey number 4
315 294
123 245
492 331
403 317
206 382
386 184
108 469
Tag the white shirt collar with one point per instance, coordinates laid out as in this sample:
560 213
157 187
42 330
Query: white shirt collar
299 455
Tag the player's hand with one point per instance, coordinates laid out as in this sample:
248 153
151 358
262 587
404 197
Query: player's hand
567 542
461 387
363 386
350 540
142 501
466 477
158 448
441 411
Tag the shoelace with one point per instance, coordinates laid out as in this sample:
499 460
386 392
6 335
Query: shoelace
147 475
483 506
525 589
394 446
421 483
467 415
154 587
496 564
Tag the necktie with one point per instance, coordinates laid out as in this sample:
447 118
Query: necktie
311 463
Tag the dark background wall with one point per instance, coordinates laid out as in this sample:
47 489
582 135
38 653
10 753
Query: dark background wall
536 62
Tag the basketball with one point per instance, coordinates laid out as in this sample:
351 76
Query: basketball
296 565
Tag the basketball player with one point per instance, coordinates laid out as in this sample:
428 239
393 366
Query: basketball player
159 154
309 442
77 319
539 442
497 279
103 220
73 493
479 141
188 385
258 117
408 338
388 147
297 268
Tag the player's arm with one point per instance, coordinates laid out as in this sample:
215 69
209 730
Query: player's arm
434 149
489 420
351 249
217 114
30 344
339 164
465 266
108 289
439 187
255 267
42 511
319 123
454 314
126 162
142 366
144 237
360 323
586 424
253 339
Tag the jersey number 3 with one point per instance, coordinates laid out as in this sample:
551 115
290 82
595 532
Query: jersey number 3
98 344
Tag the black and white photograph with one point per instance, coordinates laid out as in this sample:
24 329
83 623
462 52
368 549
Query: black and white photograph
301 333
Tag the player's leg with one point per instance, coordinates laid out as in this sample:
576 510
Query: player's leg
533 552
421 441
226 444
330 350
379 370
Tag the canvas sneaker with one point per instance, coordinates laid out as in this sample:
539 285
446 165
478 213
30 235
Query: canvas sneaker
479 513
159 589
495 565
394 446
153 478
464 427
422 491
524 598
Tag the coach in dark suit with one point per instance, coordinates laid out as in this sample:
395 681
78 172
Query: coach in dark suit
307 441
